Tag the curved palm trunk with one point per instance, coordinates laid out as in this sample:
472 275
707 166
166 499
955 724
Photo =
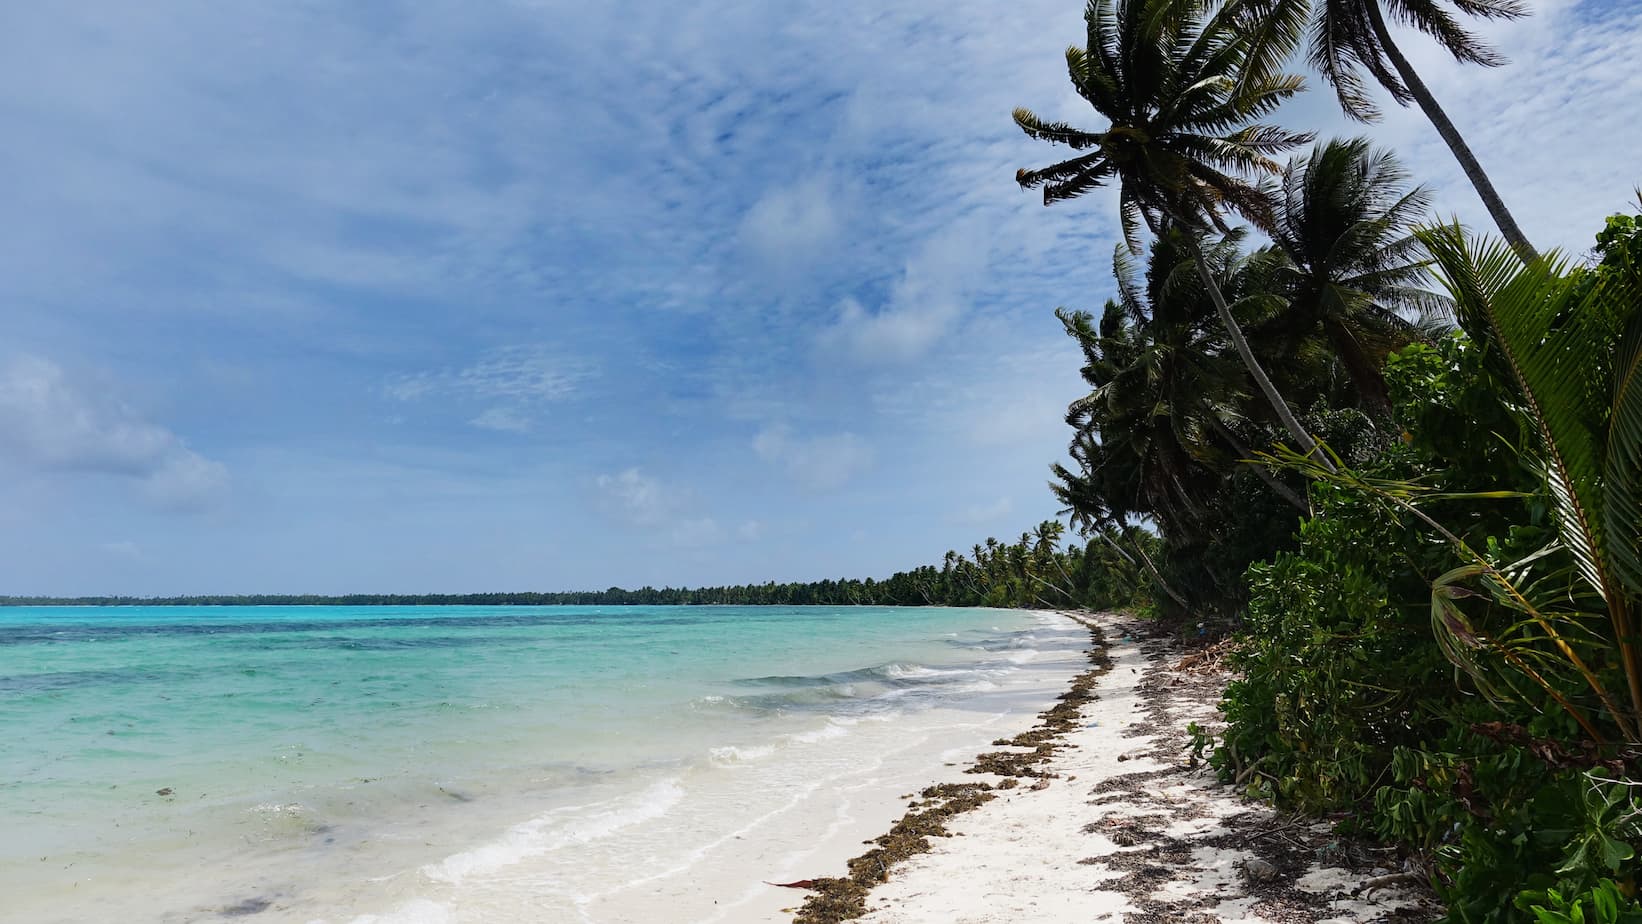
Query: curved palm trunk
1235 331
1284 491
1152 568
1456 143
1118 548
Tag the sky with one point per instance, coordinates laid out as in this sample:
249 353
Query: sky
444 297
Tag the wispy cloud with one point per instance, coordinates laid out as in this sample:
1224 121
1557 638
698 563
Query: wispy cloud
922 306
506 419
666 513
637 498
51 423
793 227
519 373
579 239
817 463
517 383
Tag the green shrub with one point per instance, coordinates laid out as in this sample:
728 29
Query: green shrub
1345 702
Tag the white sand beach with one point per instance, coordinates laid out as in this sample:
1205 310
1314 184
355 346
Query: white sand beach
1119 826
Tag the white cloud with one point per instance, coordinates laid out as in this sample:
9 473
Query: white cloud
507 419
817 463
637 498
750 531
922 306
53 424
528 373
664 512
524 379
793 227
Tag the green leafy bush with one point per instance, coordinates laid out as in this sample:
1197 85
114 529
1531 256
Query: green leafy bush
1346 704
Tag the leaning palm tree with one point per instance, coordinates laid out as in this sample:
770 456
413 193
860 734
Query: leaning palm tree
1085 493
1181 83
1356 273
1351 35
1167 393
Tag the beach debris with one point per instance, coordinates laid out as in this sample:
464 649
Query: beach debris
1040 784
1367 889
1257 870
796 884
250 906
164 792
1210 659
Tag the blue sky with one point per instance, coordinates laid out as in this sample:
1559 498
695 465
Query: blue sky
537 295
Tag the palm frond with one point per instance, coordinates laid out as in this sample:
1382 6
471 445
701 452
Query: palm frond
1622 468
1054 132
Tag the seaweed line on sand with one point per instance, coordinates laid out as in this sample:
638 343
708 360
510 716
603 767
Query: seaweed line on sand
845 898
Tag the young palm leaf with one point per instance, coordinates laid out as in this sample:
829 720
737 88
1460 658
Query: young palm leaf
1560 338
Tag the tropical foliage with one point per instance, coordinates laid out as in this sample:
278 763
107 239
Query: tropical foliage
1404 462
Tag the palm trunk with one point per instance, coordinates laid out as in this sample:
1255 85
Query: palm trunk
1235 331
1173 594
1157 576
1055 557
1284 491
1118 549
1462 152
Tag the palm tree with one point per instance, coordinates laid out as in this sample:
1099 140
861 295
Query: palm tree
1166 392
1181 86
1344 219
1348 35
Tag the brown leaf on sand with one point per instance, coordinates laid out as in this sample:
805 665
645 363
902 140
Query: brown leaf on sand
798 884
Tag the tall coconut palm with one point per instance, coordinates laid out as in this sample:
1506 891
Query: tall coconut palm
1168 396
1344 217
1349 36
1181 83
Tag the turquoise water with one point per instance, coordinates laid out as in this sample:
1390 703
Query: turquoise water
176 763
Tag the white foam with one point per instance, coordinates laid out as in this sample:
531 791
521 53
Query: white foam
274 808
833 729
730 755
544 834
900 671
416 911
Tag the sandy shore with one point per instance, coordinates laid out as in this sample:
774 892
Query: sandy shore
1114 824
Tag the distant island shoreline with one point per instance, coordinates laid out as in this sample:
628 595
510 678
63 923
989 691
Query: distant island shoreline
750 596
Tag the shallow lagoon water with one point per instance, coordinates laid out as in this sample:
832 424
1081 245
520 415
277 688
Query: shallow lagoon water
465 763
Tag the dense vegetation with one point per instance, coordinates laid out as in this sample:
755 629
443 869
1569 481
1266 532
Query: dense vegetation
1401 459
1038 570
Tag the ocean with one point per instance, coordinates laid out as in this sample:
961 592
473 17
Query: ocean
481 764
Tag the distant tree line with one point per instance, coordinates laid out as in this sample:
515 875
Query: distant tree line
1034 572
